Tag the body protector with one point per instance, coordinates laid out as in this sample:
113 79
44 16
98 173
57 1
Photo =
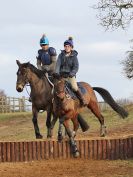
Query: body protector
47 59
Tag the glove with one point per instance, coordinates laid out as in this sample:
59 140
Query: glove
39 67
71 75
44 71
46 68
56 75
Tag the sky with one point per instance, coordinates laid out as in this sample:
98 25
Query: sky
22 24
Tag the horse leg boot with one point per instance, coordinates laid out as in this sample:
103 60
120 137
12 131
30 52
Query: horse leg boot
36 127
60 137
73 144
81 98
61 121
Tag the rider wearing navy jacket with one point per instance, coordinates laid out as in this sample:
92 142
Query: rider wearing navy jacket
67 66
46 59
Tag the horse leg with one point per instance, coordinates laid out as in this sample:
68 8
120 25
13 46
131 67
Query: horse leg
54 120
75 125
60 137
71 135
35 123
61 121
94 107
48 122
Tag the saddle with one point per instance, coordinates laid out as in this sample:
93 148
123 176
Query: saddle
69 90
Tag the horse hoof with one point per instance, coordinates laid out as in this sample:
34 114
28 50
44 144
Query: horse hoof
59 141
49 136
103 135
60 138
39 136
76 154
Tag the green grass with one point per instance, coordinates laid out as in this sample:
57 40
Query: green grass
19 126
8 116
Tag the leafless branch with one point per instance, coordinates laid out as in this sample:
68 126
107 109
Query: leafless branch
115 14
128 64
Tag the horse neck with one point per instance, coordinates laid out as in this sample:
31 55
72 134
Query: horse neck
38 84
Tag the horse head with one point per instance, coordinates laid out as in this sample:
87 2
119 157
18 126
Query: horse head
59 86
22 75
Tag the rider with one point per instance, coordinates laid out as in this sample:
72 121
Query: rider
67 66
46 59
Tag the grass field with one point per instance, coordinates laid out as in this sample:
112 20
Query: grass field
18 126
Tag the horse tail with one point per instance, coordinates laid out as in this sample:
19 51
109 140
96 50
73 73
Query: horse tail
109 99
84 125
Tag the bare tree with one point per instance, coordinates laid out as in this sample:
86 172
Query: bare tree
128 64
114 14
2 93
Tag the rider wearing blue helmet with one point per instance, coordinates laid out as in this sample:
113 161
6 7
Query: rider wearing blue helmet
46 59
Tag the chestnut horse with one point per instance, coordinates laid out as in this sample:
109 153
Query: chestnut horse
41 94
67 108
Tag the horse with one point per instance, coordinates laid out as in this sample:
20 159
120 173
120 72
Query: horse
41 94
67 108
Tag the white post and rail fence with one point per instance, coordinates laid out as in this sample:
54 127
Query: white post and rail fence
13 104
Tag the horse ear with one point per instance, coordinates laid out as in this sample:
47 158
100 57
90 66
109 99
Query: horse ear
18 62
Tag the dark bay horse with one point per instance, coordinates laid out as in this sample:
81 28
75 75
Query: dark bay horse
41 94
67 108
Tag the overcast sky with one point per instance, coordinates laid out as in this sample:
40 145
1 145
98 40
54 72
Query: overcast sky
22 22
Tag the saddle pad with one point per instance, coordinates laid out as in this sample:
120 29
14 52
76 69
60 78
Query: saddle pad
69 90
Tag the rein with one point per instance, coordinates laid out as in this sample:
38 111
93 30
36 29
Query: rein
27 89
65 94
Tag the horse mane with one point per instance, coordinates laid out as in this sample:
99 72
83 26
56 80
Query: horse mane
38 72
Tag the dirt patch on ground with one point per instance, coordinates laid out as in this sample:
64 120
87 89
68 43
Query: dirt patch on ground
68 168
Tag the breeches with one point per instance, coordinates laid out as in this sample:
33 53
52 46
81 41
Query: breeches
73 83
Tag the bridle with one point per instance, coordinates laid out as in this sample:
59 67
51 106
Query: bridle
61 92
58 93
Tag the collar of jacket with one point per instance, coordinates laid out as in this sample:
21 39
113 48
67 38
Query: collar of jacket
73 53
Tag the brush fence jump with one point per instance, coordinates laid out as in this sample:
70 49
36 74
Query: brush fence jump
102 148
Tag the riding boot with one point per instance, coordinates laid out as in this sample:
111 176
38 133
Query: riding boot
81 98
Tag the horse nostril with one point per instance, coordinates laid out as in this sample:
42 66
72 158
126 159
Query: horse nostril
19 89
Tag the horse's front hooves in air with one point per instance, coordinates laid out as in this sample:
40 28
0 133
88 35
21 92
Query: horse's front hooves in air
39 136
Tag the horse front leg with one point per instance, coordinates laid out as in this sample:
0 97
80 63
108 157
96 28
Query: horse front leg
61 121
35 123
60 137
71 135
75 125
48 123
54 120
